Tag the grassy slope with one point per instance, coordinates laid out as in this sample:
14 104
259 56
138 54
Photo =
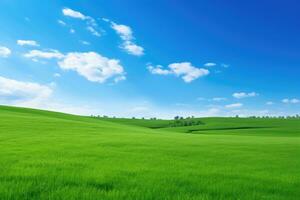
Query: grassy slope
217 125
46 155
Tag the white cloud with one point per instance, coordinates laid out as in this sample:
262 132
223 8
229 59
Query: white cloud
84 42
219 99
119 78
270 103
234 105
132 48
72 13
35 54
27 42
23 93
240 95
210 64
35 95
285 101
90 22
72 31
126 34
224 65
105 19
61 22
185 70
93 66
158 70
292 101
124 31
93 31
57 75
4 52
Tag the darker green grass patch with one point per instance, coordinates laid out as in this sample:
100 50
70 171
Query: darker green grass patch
226 128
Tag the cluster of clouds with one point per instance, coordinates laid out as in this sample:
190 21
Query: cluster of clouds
98 68
91 24
124 31
185 70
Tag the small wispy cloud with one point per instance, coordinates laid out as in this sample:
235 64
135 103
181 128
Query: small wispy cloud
28 43
93 31
72 31
126 34
234 105
61 22
224 65
132 48
49 54
185 70
72 13
4 52
57 75
90 22
291 101
219 99
124 31
84 42
240 95
210 64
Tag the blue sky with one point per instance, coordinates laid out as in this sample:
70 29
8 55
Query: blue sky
151 58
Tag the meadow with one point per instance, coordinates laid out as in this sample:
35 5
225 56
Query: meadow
49 155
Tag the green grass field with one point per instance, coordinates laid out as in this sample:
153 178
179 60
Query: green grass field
47 155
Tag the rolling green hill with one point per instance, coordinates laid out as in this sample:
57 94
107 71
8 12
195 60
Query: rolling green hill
50 155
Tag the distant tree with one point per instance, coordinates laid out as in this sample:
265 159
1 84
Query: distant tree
176 117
